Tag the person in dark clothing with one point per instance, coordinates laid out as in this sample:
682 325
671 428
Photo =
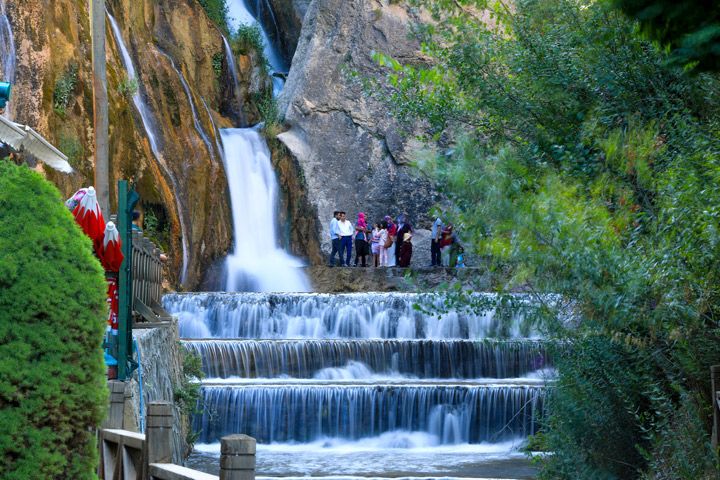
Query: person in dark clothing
437 229
403 228
362 246
405 251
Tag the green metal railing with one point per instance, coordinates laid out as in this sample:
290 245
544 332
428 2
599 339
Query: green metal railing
127 199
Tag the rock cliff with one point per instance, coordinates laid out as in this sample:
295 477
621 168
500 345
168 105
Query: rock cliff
351 153
171 42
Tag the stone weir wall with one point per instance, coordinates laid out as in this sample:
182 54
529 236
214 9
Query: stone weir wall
369 279
159 375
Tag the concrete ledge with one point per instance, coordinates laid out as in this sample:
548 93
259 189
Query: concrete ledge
394 279
169 471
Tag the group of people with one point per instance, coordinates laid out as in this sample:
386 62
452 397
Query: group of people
388 242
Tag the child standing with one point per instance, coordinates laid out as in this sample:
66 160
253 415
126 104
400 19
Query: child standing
375 244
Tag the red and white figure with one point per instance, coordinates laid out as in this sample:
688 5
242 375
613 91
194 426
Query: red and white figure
113 302
89 216
110 250
73 201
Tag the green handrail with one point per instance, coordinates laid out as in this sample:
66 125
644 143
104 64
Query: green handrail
127 199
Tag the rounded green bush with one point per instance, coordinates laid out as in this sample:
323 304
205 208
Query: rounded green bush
52 319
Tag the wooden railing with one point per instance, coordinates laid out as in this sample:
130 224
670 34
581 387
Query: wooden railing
147 277
126 455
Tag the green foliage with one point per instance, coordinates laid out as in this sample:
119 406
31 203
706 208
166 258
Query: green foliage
70 145
187 394
689 29
52 320
582 163
248 39
64 89
267 106
217 11
155 227
128 88
217 63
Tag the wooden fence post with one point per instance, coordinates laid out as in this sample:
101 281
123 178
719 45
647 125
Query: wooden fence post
715 396
159 432
237 457
116 412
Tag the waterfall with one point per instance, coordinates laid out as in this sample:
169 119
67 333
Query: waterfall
196 120
360 359
257 262
322 316
149 125
371 370
7 51
239 14
230 57
280 413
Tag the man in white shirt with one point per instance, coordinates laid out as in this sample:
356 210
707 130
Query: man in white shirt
335 238
345 231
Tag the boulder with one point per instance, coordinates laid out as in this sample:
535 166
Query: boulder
352 154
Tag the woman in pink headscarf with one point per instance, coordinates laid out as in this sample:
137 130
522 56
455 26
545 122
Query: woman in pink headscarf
362 249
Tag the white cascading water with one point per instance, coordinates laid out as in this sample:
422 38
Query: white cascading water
231 65
257 262
149 125
238 14
196 119
7 51
366 385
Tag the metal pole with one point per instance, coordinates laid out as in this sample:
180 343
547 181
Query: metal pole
100 105
125 279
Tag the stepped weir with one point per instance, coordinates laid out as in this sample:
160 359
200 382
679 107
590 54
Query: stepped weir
363 371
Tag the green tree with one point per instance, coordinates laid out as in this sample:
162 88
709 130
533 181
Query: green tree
217 11
689 29
582 162
52 318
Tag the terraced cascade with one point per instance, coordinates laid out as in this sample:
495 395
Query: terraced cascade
365 385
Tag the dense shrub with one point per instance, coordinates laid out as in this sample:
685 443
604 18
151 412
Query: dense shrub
580 161
52 318
217 10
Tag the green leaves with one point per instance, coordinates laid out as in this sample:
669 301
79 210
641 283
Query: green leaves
52 320
581 163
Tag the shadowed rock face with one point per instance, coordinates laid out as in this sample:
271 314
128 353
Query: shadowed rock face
187 185
352 155
288 15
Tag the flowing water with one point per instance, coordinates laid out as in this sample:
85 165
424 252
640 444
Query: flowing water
365 385
196 120
149 124
7 52
257 262
239 14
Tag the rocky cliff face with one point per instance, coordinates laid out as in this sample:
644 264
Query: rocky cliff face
286 18
183 181
351 153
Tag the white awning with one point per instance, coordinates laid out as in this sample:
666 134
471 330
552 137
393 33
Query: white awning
23 138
